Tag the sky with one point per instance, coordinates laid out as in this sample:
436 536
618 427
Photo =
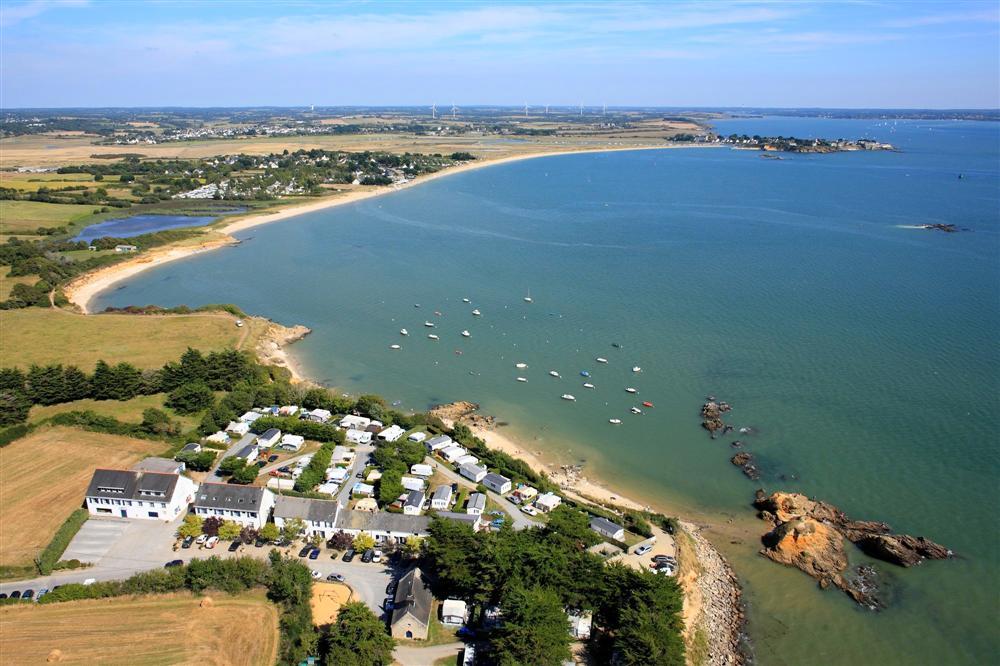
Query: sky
850 54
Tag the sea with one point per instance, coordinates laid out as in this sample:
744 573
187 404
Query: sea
860 349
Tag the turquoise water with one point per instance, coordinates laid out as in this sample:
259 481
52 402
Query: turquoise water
864 352
137 225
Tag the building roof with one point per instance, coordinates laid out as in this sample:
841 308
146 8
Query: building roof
496 479
313 510
413 597
193 446
442 493
414 498
248 451
453 607
162 465
470 518
271 433
475 470
228 496
476 501
439 439
128 484
383 521
604 525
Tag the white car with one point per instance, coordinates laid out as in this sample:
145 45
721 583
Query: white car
642 550
530 510
211 542
316 575
202 538
377 556
90 581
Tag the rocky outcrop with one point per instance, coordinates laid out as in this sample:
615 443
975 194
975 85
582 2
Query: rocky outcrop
711 416
463 411
270 348
809 535
744 461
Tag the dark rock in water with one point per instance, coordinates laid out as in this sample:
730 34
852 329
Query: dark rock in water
744 461
737 444
902 549
711 415
938 226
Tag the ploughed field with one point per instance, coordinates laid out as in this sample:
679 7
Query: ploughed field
43 478
161 629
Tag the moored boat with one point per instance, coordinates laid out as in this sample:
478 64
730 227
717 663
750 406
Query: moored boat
476 313
636 368
647 404
567 396
466 334
553 373
636 410
601 360
395 347
615 421
433 337
584 373
522 379
429 324
403 331
520 365
588 385
631 390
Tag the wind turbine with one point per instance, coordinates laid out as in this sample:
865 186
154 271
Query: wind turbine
546 109
581 110
454 110
525 109
434 111
604 111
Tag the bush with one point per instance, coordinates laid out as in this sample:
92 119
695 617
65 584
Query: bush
201 461
190 398
50 556
8 435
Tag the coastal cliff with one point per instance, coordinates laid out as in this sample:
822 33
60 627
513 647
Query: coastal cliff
270 348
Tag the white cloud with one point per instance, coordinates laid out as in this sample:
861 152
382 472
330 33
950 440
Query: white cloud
985 16
13 14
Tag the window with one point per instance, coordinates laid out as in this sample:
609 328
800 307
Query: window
154 514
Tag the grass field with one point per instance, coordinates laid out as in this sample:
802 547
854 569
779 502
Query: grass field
37 335
43 478
128 410
7 283
158 629
18 216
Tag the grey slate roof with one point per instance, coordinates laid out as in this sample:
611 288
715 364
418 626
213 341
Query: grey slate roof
127 484
469 518
162 465
247 451
229 496
476 501
270 433
383 521
413 597
315 510
439 439
495 479
442 493
414 498
475 470
604 525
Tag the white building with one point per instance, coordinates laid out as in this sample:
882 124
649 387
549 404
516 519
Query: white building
238 427
248 452
472 472
417 436
452 453
363 489
139 494
579 625
337 474
342 455
318 415
351 422
277 483
288 410
525 493
547 502
218 438
467 459
391 434
608 529
497 483
268 438
290 442
413 483
413 505
441 499
319 516
250 417
437 443
246 505
358 437
383 526
421 469
476 504
454 612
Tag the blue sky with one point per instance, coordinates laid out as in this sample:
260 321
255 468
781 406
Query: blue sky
234 53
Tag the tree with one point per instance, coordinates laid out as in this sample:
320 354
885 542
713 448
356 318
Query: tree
102 382
535 629
127 381
158 422
245 475
198 462
14 407
191 527
210 525
190 398
390 486
572 524
292 528
270 532
364 541
231 465
341 540
249 534
46 385
229 530
358 638
413 546
76 383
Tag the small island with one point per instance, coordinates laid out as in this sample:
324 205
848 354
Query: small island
791 144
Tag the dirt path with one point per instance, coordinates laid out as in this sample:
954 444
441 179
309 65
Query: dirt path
425 656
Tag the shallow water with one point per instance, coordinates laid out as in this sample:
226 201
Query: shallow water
137 225
864 353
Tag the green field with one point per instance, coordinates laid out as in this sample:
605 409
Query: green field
21 216
43 336
127 410
7 283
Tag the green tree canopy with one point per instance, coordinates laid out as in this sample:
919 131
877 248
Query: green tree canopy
358 638
535 629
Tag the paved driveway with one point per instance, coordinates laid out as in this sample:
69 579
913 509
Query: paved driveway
94 539
519 518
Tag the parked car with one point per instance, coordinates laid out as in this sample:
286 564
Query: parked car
367 557
349 555
314 554
513 499
316 575
387 604
335 578
305 551
16 594
377 556
666 570
89 581
173 563
360 475
261 463
202 538
282 542
645 548
188 540
41 593
3 595
271 458
211 542
28 594
235 546
259 542
390 589
286 469
664 558
530 510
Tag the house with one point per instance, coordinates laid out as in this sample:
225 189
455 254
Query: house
452 453
138 494
476 504
411 608
269 438
437 443
454 611
441 499
606 528
385 527
328 488
579 624
358 436
351 422
363 489
373 476
193 447
391 434
218 438
467 459
319 516
318 415
547 502
497 483
413 483
288 410
342 455
417 436
126 248
420 469
472 520
290 442
246 505
238 427
161 465
250 417
277 483
525 493
413 505
366 504
472 472
337 474
248 452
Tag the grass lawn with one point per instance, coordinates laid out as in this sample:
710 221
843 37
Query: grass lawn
18 216
128 410
43 478
44 335
156 629
438 633
446 661
7 283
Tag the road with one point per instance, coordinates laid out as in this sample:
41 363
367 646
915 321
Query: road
361 452
521 520
243 441
412 655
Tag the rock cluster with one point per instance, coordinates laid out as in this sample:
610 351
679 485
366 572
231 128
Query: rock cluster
463 411
809 535
711 416
744 461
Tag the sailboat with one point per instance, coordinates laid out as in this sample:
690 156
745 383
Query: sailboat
466 334
527 299
476 312
403 331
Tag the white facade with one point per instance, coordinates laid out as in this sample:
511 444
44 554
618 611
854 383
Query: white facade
441 499
218 438
547 502
319 415
452 453
351 422
358 436
473 472
246 505
421 469
476 504
417 436
467 459
149 496
238 427
454 612
337 474
291 442
413 483
497 483
250 417
391 434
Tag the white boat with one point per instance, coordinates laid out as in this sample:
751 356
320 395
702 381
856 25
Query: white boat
432 336
615 421
520 365
476 313
567 396
395 347
522 379
588 385
403 331
465 300
527 299
601 360
466 334
636 410
429 324
636 368
553 373
631 390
